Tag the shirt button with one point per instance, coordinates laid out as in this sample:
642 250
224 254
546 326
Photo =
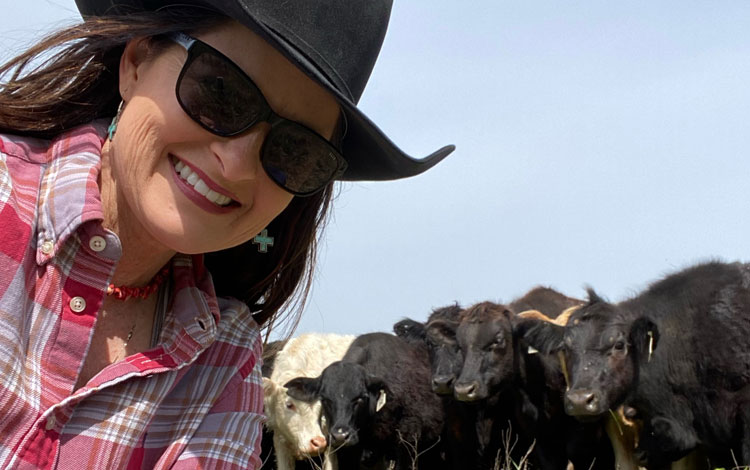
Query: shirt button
97 243
78 304
47 247
50 422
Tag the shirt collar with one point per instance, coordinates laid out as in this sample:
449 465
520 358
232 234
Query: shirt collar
69 193
194 306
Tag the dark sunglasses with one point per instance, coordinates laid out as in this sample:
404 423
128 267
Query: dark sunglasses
217 94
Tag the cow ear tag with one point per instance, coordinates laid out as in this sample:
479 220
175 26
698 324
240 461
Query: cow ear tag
381 401
650 345
564 368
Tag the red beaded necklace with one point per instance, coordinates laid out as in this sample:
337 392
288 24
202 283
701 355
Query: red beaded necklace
123 292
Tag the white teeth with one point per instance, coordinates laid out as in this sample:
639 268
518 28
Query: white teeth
217 198
199 185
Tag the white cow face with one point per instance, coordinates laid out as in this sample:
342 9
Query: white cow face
298 422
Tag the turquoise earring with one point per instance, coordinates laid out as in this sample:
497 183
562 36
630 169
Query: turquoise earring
263 241
113 125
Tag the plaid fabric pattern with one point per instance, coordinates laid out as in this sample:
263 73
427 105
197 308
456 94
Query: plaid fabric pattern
194 401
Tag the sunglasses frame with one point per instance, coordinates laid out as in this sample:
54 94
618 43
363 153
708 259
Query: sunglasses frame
268 115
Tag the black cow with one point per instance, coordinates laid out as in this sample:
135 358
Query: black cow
439 334
466 434
378 403
496 365
678 355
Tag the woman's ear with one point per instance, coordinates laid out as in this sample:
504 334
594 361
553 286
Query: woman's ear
135 54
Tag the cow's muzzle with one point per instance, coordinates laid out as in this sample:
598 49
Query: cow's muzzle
442 384
467 391
343 436
582 403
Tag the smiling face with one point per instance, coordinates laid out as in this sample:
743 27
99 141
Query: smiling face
163 163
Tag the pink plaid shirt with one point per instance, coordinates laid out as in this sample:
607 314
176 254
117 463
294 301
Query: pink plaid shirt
194 401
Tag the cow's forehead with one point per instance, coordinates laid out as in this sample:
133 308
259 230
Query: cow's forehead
482 331
436 329
343 380
595 327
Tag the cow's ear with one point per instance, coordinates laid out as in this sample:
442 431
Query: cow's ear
541 335
445 331
269 392
644 336
268 386
409 329
512 317
594 298
303 388
378 391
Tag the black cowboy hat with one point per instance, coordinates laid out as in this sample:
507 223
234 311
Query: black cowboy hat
334 42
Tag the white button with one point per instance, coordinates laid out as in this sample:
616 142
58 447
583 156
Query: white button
50 422
47 247
78 304
97 243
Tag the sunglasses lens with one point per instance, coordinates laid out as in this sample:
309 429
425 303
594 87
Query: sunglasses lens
217 94
299 160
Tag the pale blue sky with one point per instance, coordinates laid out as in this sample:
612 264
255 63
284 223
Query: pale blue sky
600 143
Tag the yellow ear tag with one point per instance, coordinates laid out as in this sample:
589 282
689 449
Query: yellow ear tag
650 345
564 367
381 401
532 350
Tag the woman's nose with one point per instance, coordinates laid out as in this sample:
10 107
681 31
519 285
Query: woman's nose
239 156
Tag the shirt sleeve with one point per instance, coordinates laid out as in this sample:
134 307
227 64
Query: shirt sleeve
230 435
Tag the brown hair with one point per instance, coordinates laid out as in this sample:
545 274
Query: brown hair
71 78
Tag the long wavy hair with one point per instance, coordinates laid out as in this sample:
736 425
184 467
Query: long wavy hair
71 78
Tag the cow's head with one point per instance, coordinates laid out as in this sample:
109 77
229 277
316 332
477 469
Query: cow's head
294 421
445 356
602 345
439 334
485 338
350 398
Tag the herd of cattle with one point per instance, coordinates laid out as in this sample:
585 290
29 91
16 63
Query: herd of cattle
660 380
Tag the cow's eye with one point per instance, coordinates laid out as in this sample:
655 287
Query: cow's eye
619 345
499 342
290 405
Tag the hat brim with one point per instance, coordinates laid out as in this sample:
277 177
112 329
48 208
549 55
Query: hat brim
370 154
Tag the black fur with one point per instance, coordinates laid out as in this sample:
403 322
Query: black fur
349 390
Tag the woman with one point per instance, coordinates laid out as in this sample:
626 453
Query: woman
231 121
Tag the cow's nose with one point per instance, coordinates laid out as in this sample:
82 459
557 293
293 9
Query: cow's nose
317 444
442 384
582 403
466 391
340 435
